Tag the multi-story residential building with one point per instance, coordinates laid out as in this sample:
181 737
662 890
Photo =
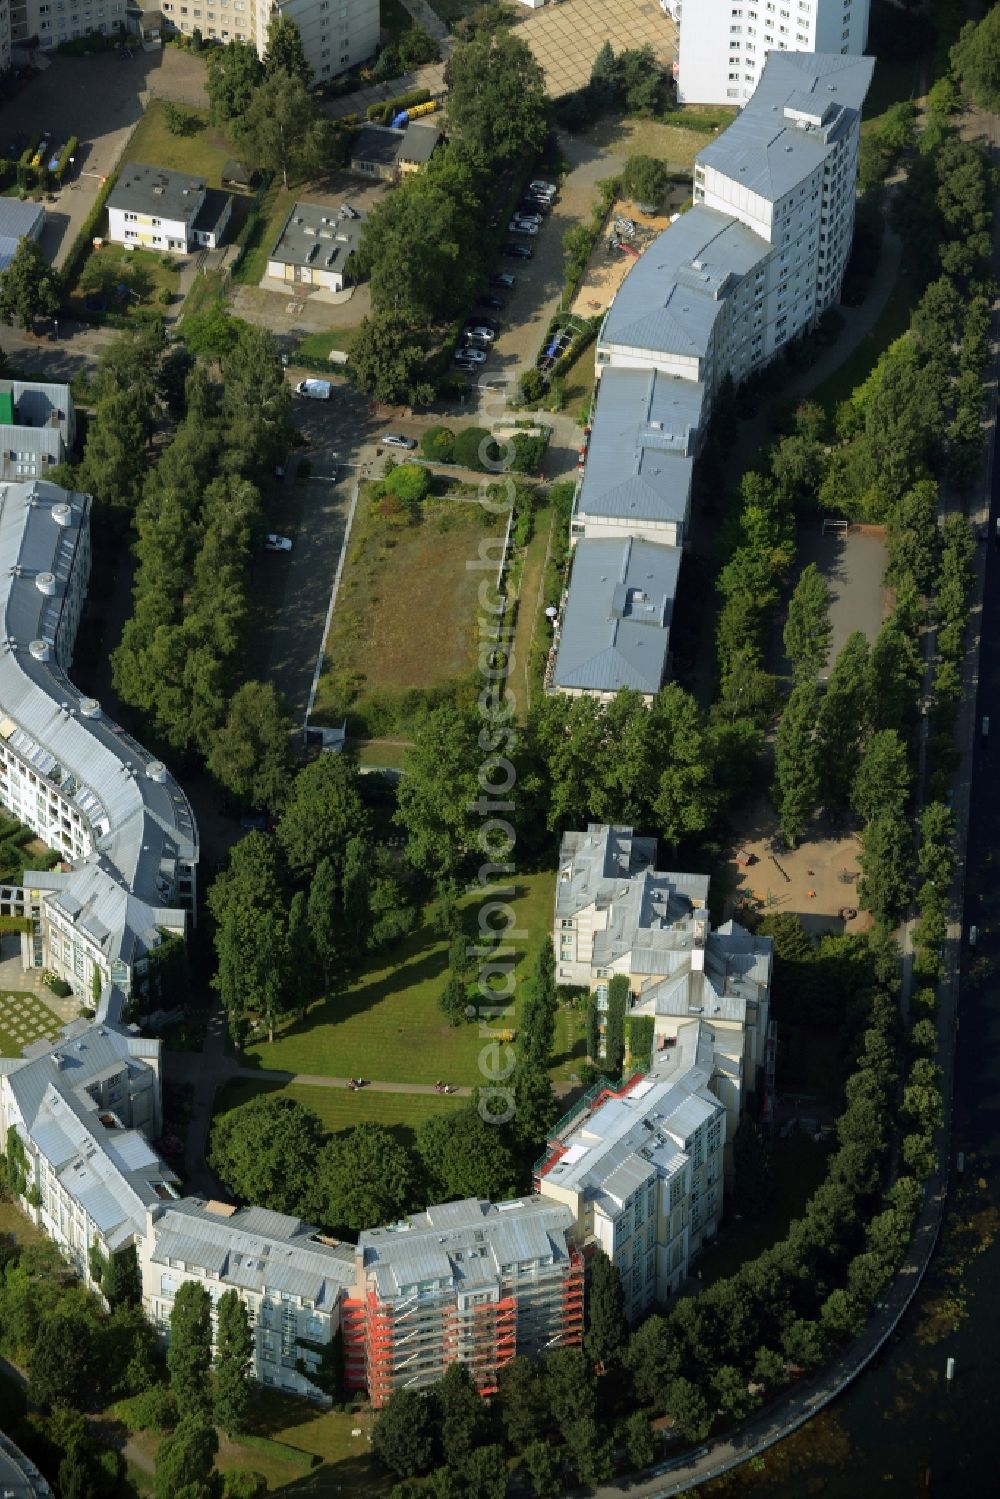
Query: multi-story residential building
640 1168
615 913
121 824
55 21
163 210
752 265
84 1109
637 481
615 626
336 34
37 428
289 1276
724 44
5 41
471 1281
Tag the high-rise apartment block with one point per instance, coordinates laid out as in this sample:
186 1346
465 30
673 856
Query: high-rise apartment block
724 44
336 34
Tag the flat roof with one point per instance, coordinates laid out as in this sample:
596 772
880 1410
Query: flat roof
616 624
319 235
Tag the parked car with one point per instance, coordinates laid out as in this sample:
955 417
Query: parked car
480 320
527 216
480 330
396 440
517 252
496 303
543 189
273 543
517 226
503 279
470 356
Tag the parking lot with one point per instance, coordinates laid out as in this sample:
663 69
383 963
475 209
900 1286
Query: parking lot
100 99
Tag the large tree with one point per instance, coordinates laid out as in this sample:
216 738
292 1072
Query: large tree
324 812
418 250
975 60
189 1352
496 98
249 753
63 1365
284 53
464 1420
389 360
267 1150
439 793
403 1436
185 1462
248 904
842 722
366 1177
233 1363
29 287
606 1336
233 74
280 130
463 1156
807 628
796 782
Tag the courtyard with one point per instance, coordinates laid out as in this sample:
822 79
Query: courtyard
566 38
25 1018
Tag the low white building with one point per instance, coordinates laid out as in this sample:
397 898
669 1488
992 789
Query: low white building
314 244
156 209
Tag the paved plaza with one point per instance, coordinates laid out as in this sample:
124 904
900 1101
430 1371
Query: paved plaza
566 38
25 1018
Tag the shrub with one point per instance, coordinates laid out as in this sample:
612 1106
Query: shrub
468 445
243 1483
409 483
532 384
154 1410
58 986
438 444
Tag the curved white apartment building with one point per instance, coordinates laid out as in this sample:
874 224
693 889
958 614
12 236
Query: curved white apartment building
123 826
724 43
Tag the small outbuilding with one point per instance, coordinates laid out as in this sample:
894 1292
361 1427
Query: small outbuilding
236 175
386 153
18 221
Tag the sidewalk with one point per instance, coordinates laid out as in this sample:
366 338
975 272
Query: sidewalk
429 76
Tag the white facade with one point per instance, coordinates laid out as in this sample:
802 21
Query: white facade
642 1172
336 34
725 43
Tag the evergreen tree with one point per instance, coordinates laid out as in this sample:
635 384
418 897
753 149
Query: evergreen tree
842 721
807 628
185 1460
121 1281
233 1363
614 1024
403 1436
797 783
463 1416
284 52
606 1336
325 926
189 1353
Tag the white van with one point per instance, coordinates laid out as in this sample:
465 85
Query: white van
314 390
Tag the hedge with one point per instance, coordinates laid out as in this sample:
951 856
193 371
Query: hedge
383 113
83 244
15 924
67 151
639 1031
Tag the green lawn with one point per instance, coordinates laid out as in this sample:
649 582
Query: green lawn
24 1018
207 290
530 610
203 149
340 1109
147 274
274 210
320 345
326 1434
17 1225
388 1026
382 754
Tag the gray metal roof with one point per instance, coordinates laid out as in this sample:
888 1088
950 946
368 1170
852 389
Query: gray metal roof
593 864
19 1478
319 235
141 822
666 302
17 219
616 623
803 103
377 143
464 1245
419 141
157 192
640 458
627 1141
718 978
254 1249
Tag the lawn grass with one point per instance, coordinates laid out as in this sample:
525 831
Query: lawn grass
799 1166
530 607
206 291
621 139
203 152
17 1225
892 323
382 754
347 1465
387 1024
24 1018
275 206
405 583
340 1109
578 381
142 270
320 345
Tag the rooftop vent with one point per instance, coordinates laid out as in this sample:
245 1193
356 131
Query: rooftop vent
156 770
62 515
46 583
90 707
39 649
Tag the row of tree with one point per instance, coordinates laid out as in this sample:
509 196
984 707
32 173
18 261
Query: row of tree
293 912
424 248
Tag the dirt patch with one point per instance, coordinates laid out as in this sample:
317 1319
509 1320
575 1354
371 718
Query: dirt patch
608 266
817 881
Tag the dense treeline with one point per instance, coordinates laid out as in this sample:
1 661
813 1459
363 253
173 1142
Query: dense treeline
426 246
